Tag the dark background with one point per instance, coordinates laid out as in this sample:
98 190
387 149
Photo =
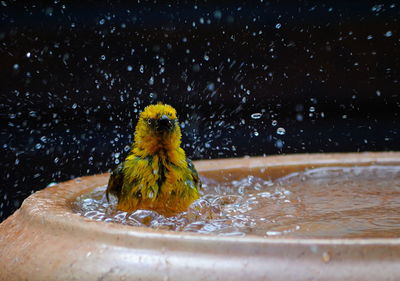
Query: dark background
75 75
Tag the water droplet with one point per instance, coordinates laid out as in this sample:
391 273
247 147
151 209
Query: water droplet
326 257
74 106
378 93
279 144
141 68
274 123
388 34
129 68
211 87
16 66
280 131
299 117
103 57
312 109
151 80
256 115
102 21
28 54
217 14
206 57
278 25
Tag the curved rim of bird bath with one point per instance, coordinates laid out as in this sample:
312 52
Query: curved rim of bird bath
52 207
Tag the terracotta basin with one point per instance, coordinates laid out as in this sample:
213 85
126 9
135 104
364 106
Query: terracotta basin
46 240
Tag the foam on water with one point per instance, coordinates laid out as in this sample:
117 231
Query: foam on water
322 202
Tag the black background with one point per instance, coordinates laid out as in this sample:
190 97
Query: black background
75 75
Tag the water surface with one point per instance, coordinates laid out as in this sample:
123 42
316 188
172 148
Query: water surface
324 202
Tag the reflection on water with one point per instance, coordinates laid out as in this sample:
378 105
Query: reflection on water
322 202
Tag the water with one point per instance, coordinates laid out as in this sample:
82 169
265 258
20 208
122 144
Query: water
322 202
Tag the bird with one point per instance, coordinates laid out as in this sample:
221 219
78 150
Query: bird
156 174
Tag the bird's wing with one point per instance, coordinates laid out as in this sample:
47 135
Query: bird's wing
116 181
194 173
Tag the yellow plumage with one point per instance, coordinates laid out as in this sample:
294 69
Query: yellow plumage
156 174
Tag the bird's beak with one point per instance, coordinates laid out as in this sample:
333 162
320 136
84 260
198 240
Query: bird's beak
164 124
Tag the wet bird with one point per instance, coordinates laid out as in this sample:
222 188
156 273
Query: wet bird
156 174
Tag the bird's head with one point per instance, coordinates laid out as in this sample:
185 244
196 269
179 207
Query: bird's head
159 119
157 129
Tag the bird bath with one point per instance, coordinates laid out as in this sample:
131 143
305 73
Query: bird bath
46 239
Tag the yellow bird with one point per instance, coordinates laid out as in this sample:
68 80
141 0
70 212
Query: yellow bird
156 174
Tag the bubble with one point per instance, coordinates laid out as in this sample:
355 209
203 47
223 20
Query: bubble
274 122
278 25
103 57
28 54
206 57
280 131
16 66
102 21
129 68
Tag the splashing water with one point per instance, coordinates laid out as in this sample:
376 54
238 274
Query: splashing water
322 202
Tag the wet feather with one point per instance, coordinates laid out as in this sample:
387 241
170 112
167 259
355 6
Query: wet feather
156 174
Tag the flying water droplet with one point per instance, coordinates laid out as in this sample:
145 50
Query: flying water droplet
256 115
388 34
280 131
151 80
